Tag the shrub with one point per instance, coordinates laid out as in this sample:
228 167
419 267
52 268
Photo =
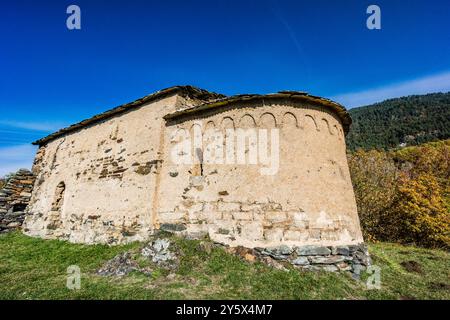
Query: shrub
403 195
418 214
374 176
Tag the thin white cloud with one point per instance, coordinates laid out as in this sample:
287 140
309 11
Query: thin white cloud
429 84
16 157
35 126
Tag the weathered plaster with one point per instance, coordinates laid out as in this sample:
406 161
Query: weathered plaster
120 183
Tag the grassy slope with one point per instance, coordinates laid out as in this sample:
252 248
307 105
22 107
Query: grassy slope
36 269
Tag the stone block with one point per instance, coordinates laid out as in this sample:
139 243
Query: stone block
300 261
223 231
250 207
330 268
279 253
13 225
299 220
229 225
198 230
274 234
197 181
242 215
171 216
227 216
252 231
199 216
172 227
229 206
271 206
195 207
341 250
327 260
315 234
25 194
14 214
313 251
276 216
343 266
209 207
292 235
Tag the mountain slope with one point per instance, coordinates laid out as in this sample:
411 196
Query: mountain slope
410 120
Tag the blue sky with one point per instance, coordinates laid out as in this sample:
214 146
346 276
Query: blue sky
52 76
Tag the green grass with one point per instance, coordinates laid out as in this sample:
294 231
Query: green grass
37 269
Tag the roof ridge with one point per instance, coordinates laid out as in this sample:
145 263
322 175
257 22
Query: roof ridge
186 90
337 108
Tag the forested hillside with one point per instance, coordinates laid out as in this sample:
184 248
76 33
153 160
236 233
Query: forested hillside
408 120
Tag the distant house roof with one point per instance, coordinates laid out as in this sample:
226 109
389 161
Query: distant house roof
186 91
338 109
210 99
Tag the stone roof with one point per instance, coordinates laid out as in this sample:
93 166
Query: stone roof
185 91
210 99
335 107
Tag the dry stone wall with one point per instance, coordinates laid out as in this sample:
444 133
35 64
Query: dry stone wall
353 258
14 199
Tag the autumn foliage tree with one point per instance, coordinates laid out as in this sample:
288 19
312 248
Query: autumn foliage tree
418 214
374 177
403 195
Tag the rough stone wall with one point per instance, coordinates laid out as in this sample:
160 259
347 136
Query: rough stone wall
97 185
310 200
14 199
353 258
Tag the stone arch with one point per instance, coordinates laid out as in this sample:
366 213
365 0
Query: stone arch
228 126
178 135
209 128
210 125
290 120
336 131
181 146
196 134
212 142
247 121
267 120
197 143
227 123
196 131
310 122
327 125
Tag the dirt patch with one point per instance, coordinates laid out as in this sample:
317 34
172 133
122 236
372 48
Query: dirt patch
407 298
412 266
437 286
